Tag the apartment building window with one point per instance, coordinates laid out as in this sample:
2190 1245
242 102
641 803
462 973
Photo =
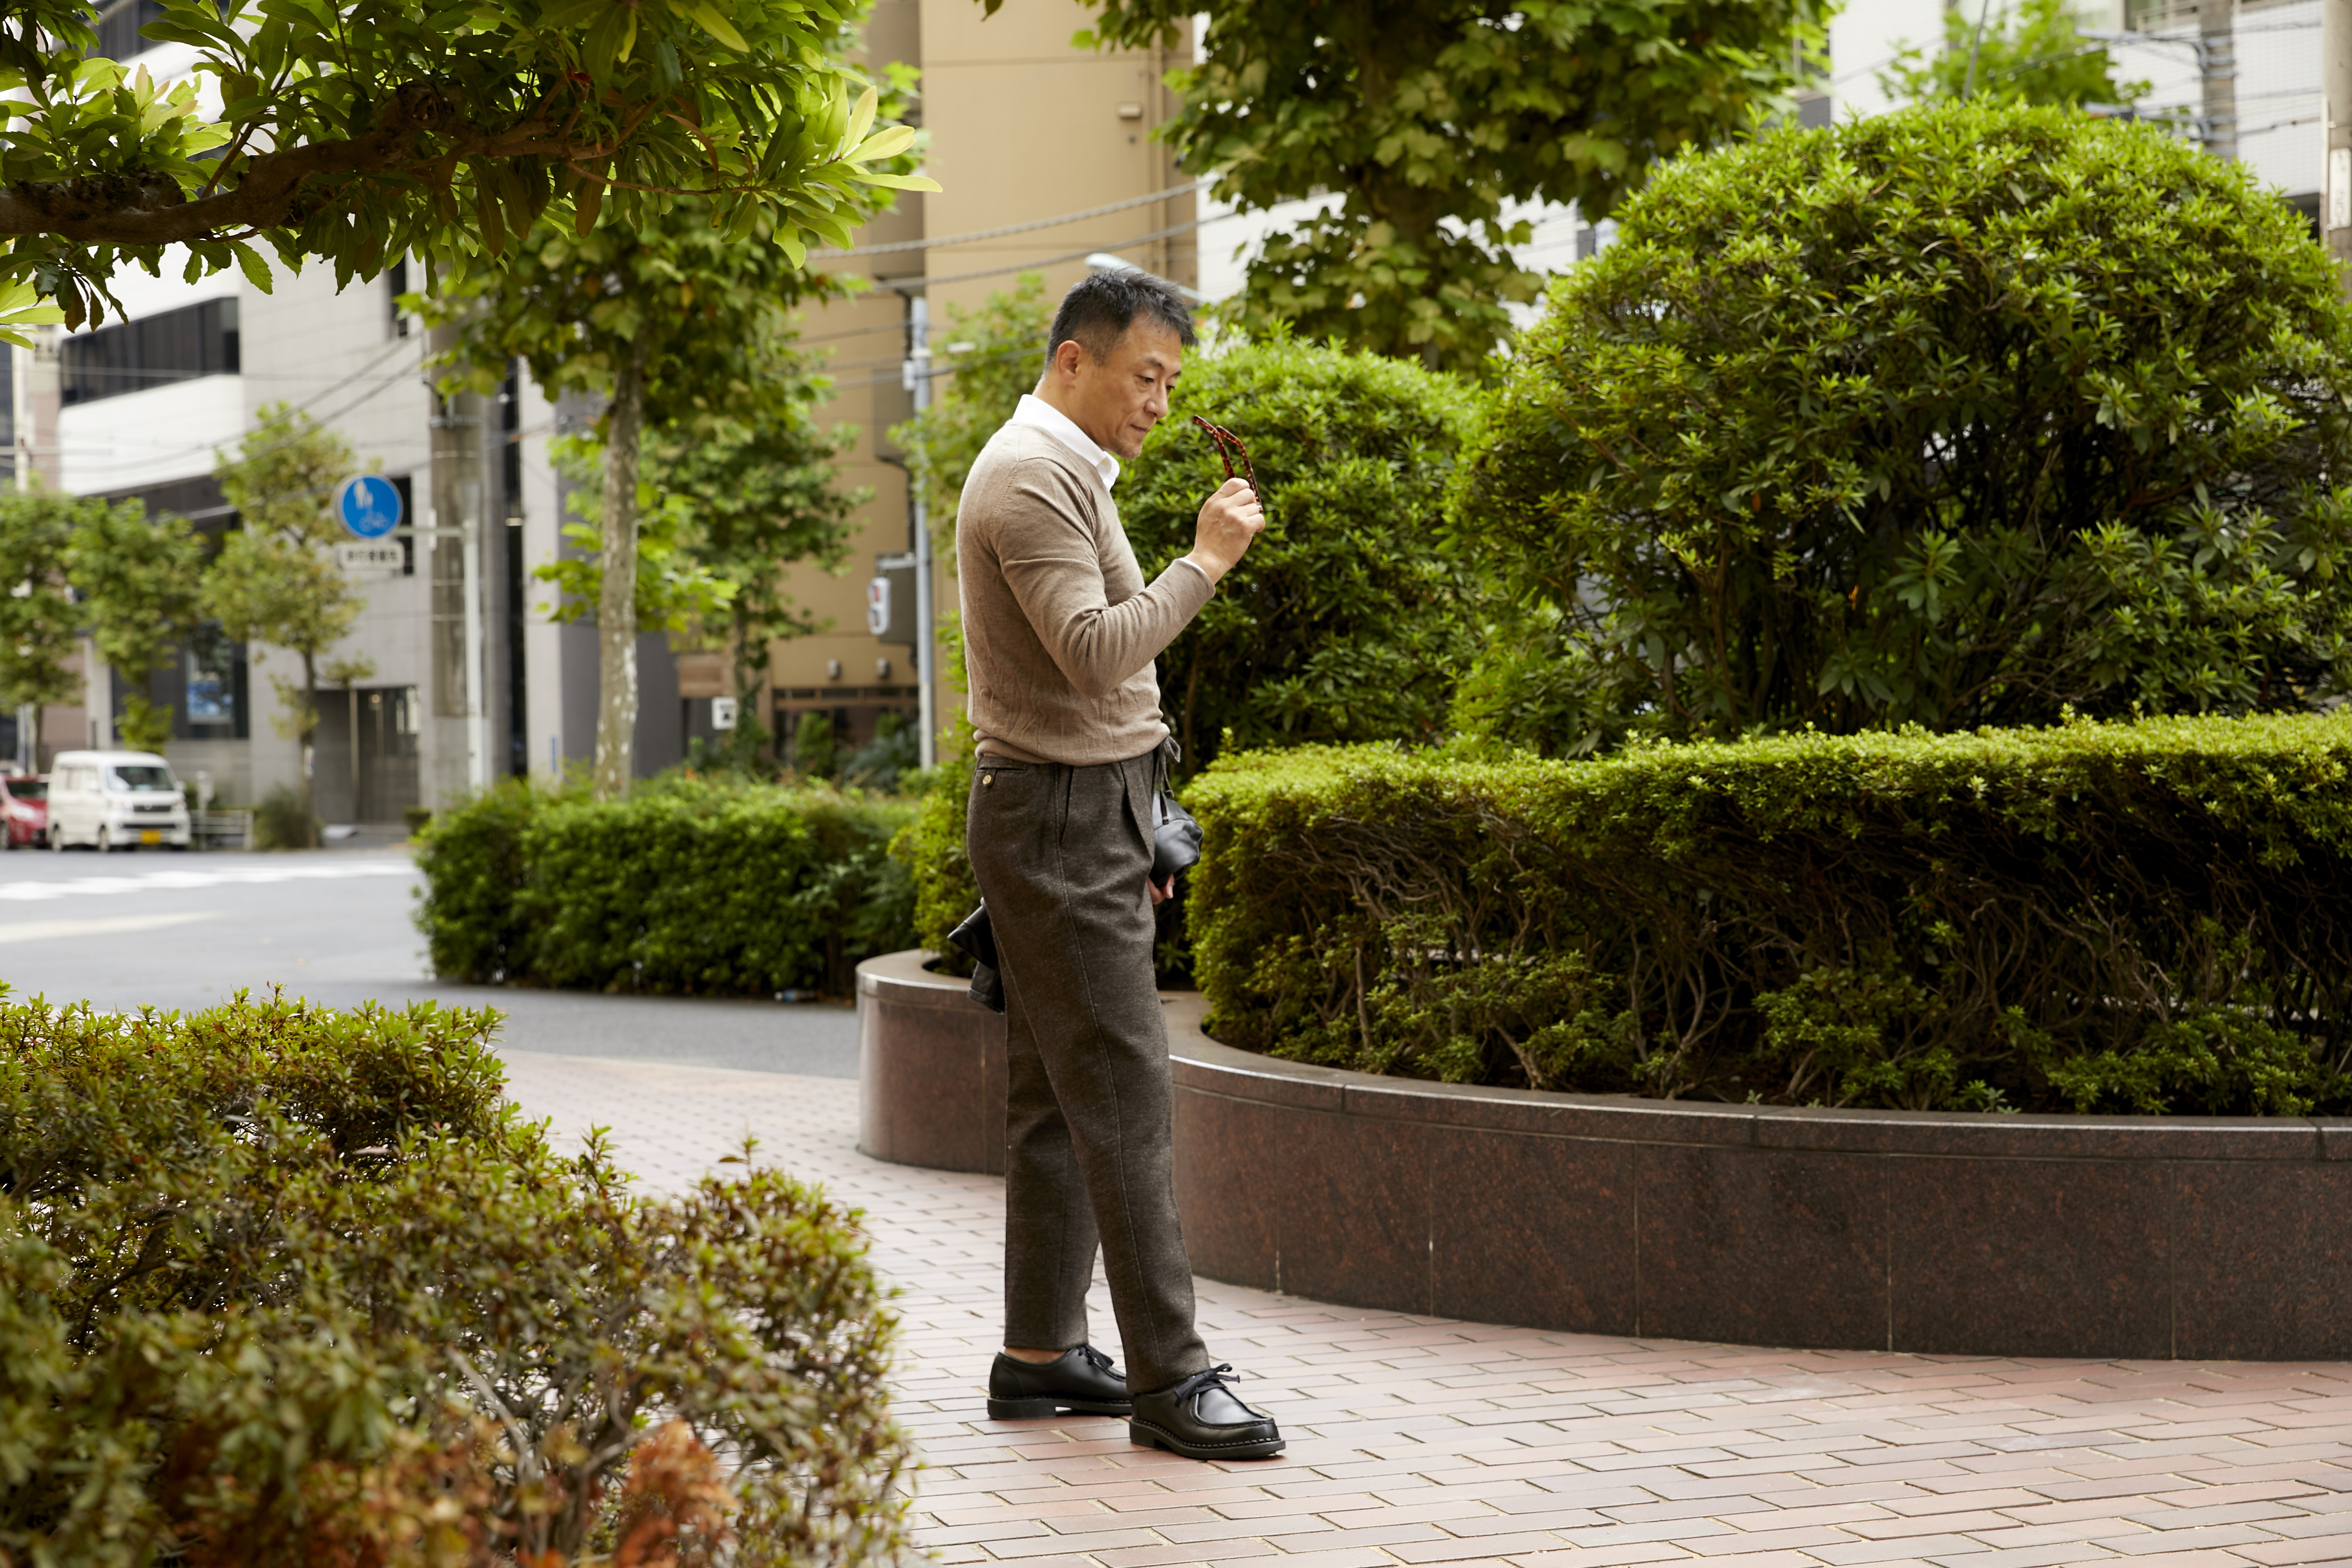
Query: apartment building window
153 351
396 284
214 707
123 27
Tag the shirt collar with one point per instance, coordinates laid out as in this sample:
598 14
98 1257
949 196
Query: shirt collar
1039 415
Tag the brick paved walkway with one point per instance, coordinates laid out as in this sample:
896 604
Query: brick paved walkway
1418 1440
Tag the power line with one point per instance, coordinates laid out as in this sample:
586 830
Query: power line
919 280
904 245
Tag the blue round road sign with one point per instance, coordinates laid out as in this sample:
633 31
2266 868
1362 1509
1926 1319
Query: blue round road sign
369 505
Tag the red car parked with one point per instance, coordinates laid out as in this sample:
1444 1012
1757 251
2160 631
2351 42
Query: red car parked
24 807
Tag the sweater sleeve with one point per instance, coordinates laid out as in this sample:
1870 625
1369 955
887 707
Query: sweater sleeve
1052 567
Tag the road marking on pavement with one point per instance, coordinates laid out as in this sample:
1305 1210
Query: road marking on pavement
110 925
167 881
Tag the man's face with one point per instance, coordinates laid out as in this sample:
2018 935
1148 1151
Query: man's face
1121 396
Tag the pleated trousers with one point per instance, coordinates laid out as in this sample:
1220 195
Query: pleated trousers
1062 855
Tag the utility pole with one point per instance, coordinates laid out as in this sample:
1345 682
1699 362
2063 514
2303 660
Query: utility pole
457 520
2336 119
917 376
2217 59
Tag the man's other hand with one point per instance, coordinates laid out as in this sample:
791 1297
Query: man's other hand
1229 520
1161 891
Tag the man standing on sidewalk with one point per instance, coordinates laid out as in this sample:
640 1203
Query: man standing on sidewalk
1060 632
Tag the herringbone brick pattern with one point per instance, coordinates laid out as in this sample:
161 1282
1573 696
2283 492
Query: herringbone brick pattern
1417 1440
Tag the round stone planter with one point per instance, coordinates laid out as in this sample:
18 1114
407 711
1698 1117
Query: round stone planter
2039 1235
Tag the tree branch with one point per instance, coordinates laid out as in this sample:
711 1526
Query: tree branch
151 208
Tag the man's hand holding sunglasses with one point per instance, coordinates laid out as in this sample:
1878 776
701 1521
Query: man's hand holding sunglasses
1229 520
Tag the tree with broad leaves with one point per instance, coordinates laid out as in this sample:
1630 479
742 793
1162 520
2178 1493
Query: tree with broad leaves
40 623
276 580
141 582
760 492
357 131
1430 120
1966 415
672 319
723 508
2036 55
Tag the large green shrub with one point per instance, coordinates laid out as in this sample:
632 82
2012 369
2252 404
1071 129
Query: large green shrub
714 887
931 848
1352 616
2154 917
281 1287
1953 417
1356 610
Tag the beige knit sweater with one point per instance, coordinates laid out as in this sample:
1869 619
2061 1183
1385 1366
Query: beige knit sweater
1059 631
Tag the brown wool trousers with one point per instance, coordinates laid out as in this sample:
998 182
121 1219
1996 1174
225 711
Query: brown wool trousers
1062 855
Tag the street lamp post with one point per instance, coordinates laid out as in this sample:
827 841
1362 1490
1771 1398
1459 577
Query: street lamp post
2336 119
917 374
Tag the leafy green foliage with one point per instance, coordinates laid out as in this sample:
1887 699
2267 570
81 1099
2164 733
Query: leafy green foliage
996 352
283 820
683 323
675 592
1354 611
1357 608
2145 918
895 750
815 749
2036 55
140 579
1954 417
713 887
931 849
1430 121
361 131
760 492
38 621
284 1286
86 566
276 580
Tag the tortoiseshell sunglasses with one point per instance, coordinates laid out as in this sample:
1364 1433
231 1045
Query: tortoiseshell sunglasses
1225 437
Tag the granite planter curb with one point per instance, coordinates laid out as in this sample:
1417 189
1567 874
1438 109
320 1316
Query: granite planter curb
2141 1237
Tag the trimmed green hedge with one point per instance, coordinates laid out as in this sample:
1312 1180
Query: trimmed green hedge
931 848
695 885
2151 917
281 1285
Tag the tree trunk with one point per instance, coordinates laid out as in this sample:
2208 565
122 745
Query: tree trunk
309 748
737 743
616 605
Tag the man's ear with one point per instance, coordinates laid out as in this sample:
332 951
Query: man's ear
1069 357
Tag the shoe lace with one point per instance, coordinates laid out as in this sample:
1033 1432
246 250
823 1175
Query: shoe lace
1101 1362
1214 1376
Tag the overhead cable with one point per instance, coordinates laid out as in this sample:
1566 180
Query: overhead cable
1173 191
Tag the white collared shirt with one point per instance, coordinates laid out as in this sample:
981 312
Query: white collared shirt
1040 415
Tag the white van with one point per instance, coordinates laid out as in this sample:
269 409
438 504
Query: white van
115 800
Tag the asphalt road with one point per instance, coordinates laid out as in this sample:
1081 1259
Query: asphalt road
185 930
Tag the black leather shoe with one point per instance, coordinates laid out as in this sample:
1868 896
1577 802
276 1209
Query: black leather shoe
1082 1379
1201 1419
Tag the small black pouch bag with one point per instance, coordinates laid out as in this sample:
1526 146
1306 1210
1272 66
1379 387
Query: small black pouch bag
976 940
1175 836
1175 840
